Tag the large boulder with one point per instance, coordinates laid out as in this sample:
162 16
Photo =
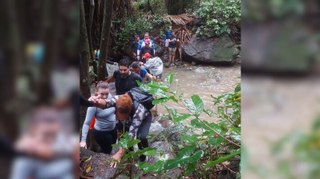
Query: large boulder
277 47
210 50
96 165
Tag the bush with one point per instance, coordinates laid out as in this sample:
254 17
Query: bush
218 17
213 143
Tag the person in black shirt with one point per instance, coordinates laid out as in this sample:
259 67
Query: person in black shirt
124 78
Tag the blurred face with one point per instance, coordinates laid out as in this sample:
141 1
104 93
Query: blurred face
147 45
146 36
137 39
46 132
103 93
124 71
136 70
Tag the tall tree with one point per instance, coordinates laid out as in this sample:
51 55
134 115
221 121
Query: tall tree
104 41
52 32
176 7
85 54
9 67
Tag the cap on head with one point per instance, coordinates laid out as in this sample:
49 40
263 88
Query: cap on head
146 56
123 107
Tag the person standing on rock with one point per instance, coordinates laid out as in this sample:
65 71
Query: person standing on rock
146 49
137 119
124 79
172 45
104 130
135 46
142 44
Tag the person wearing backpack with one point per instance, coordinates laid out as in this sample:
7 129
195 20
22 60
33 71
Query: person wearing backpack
133 109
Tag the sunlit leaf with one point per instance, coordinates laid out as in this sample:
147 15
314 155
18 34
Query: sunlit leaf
181 117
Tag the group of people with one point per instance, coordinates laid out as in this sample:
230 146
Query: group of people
140 47
119 113
122 113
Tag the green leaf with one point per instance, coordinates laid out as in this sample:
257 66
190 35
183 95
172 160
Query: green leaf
223 158
169 78
160 100
185 159
215 140
156 167
238 88
181 117
198 103
190 139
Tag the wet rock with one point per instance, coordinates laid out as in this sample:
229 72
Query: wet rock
271 54
164 151
96 165
155 128
172 135
166 123
200 70
210 50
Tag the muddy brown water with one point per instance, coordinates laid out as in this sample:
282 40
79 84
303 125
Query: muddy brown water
203 80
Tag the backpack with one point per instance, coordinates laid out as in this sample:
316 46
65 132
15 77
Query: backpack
142 97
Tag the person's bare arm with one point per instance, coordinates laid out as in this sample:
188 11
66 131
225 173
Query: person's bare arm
110 79
149 76
117 157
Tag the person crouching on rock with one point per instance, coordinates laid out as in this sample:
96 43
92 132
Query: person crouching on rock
104 130
137 121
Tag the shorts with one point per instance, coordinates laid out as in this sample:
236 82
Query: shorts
166 43
172 51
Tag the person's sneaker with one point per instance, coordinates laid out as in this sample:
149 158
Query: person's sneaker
142 158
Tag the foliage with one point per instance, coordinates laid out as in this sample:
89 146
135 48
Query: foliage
205 145
176 7
218 17
158 6
138 25
127 161
304 150
263 10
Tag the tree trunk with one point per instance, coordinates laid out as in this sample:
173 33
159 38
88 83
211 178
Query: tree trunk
84 52
89 27
9 68
104 41
52 48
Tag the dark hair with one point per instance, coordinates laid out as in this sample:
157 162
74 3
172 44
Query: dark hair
102 84
124 62
135 64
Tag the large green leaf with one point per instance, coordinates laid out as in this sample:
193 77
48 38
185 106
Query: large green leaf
198 103
178 162
181 117
156 167
223 158
216 140
160 100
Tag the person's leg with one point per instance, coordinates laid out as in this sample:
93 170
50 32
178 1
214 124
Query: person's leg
143 133
173 55
105 139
